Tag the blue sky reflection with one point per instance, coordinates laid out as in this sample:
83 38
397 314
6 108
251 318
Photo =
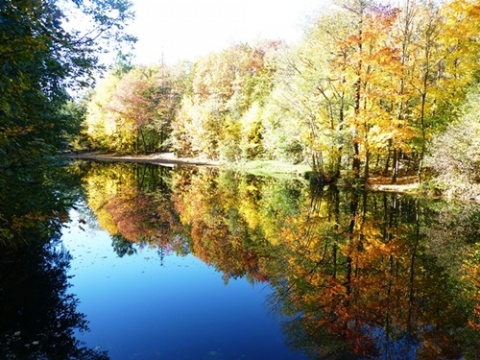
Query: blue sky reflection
140 307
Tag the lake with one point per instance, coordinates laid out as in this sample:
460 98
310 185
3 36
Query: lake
139 261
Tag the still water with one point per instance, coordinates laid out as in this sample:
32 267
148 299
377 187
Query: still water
153 305
134 261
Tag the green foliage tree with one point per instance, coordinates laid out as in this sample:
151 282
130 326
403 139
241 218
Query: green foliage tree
306 112
455 154
40 58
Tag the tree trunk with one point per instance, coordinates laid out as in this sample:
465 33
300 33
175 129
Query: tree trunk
143 142
367 165
358 92
395 166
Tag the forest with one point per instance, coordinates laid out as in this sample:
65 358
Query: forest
371 90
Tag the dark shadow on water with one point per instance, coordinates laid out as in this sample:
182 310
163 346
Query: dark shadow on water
38 314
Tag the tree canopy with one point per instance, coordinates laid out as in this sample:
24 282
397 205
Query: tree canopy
42 58
367 92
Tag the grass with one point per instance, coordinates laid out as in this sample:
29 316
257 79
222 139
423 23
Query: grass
268 167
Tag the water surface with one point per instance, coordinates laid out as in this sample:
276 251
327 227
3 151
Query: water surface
153 305
133 261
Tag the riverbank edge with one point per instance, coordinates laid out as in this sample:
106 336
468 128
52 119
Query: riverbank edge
156 158
255 167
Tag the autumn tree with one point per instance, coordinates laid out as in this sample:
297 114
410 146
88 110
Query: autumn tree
337 87
221 117
134 112
144 104
100 124
439 50
371 84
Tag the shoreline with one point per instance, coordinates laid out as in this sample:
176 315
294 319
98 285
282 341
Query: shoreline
405 185
166 159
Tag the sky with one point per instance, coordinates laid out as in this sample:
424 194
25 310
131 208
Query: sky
187 29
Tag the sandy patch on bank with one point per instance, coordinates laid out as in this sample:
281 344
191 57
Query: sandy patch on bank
157 158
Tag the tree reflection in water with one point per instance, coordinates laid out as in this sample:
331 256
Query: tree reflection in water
361 269
38 315
360 275
360 272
